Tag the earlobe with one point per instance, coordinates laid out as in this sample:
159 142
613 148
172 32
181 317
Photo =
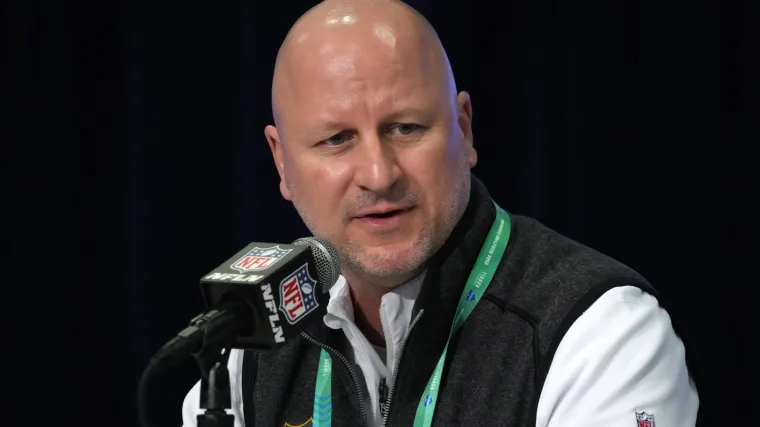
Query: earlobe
472 156
275 145
284 190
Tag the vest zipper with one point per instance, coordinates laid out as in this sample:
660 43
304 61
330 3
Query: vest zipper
354 377
385 337
396 364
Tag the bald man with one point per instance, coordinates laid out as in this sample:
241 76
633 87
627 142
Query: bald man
450 311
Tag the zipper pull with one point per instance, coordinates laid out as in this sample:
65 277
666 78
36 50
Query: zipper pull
383 397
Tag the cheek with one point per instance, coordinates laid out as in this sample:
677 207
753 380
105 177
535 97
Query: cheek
318 186
311 172
435 167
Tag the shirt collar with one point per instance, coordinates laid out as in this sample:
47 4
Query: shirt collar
396 305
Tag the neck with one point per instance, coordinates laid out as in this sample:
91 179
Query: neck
367 317
366 297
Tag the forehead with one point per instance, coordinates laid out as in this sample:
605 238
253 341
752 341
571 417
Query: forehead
350 74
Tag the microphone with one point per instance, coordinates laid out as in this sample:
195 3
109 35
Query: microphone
260 298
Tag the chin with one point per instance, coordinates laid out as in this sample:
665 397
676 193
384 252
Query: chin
398 259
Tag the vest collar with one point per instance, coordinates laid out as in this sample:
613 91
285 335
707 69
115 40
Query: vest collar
449 268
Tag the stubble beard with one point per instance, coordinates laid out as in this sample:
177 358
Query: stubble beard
376 264
381 265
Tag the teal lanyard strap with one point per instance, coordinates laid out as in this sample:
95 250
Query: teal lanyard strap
322 415
480 277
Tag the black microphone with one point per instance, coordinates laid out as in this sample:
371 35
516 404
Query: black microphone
260 298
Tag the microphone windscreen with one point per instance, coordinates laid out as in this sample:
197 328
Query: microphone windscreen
326 260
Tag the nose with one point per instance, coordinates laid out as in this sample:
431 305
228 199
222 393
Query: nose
377 167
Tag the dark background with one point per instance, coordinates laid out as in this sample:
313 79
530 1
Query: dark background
135 162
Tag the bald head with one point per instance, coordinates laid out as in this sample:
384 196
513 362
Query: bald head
340 39
372 143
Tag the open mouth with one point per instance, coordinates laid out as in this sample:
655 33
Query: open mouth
387 217
385 214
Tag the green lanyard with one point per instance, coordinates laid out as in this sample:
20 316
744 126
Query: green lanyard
485 267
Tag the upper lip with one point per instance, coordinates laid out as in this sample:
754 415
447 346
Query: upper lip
379 210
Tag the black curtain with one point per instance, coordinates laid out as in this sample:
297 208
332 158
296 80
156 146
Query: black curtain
135 162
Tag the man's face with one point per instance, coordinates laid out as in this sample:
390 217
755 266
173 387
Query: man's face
375 155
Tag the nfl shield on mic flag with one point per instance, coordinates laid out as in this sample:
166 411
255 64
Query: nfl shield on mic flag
259 259
288 290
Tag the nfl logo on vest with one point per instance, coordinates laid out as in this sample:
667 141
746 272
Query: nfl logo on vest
644 419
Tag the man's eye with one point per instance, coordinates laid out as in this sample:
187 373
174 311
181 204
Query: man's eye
337 140
405 129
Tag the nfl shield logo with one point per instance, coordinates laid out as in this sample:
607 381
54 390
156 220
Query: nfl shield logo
470 296
258 259
644 419
297 295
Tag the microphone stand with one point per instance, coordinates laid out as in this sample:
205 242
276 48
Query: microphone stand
215 389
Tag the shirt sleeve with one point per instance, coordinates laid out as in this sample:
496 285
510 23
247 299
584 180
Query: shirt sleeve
620 364
191 404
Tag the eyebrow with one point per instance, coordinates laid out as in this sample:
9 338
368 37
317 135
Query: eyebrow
328 127
407 112
333 126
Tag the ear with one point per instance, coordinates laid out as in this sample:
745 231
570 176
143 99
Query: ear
464 118
275 145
